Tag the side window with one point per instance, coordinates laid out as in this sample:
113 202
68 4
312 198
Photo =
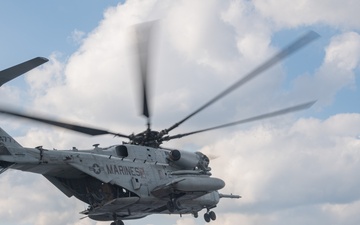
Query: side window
121 151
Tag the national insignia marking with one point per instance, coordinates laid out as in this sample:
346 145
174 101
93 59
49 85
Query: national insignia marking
96 168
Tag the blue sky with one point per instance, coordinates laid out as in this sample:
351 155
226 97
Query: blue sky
41 27
283 167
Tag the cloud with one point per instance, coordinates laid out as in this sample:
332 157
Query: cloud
44 78
342 58
46 203
288 170
309 163
344 51
306 12
77 36
185 221
10 94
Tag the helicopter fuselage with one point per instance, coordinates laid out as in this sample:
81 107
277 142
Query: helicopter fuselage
122 181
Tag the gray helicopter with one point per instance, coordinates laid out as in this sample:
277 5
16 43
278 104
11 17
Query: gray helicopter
138 177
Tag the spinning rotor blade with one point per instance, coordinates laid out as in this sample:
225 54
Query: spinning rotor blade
73 127
299 43
15 71
251 119
143 35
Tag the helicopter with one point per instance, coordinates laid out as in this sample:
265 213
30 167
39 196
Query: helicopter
138 177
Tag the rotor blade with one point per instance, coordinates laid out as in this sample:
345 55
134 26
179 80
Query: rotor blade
251 119
69 126
143 34
15 71
299 43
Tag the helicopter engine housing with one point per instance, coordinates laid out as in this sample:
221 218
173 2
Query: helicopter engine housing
188 160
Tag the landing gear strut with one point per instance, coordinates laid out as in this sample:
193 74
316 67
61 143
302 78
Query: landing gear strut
173 205
170 206
116 221
208 216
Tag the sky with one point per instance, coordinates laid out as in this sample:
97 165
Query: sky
300 168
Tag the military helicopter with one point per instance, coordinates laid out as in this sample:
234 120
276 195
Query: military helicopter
138 177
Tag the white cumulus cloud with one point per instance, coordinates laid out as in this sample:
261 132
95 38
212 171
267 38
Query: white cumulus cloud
289 170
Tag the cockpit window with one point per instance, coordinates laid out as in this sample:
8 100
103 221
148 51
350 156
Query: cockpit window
122 151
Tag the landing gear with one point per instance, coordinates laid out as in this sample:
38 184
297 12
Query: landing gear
208 216
118 222
212 215
173 205
170 206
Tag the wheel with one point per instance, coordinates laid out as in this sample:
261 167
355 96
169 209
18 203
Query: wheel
212 215
170 206
207 217
119 222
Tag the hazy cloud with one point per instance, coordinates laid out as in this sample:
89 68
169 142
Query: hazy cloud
342 57
288 170
306 12
77 36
